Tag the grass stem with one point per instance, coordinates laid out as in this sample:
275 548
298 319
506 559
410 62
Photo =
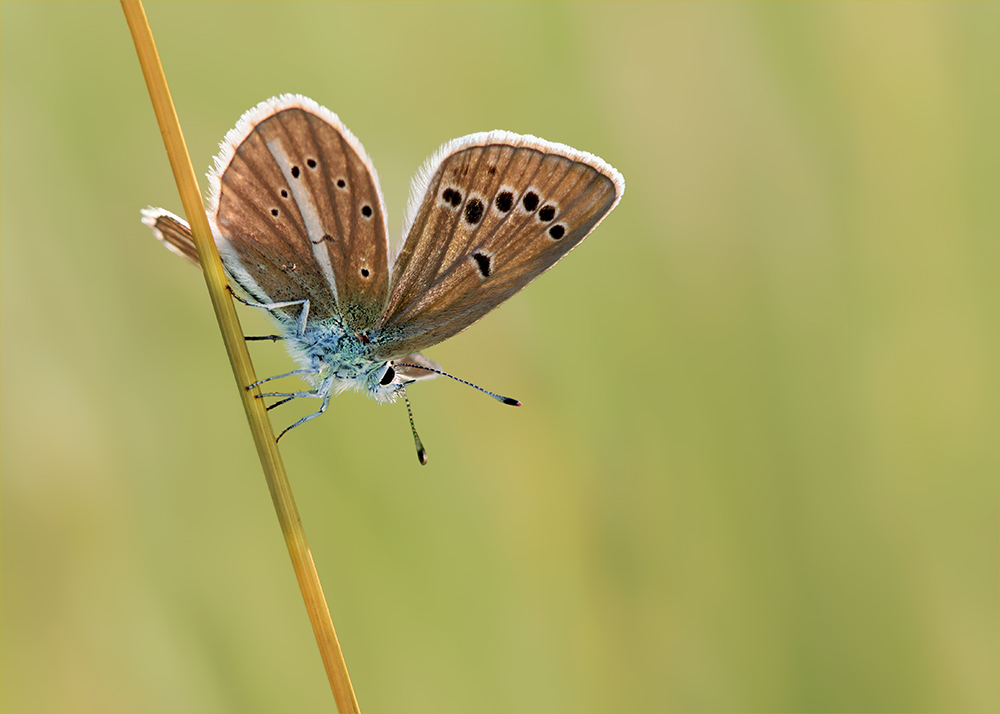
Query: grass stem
239 357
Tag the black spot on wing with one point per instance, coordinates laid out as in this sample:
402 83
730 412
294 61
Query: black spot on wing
483 263
474 211
505 201
452 196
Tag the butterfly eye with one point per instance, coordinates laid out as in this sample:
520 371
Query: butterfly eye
389 375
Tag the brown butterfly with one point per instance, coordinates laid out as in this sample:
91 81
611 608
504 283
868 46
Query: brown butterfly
300 223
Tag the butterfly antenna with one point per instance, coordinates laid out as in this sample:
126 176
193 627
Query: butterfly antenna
498 397
421 451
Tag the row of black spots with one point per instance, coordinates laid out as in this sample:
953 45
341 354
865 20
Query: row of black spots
296 172
366 210
504 202
284 194
310 162
530 201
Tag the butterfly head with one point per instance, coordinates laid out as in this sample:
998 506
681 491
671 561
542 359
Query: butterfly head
384 383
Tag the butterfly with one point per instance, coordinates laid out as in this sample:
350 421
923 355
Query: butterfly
298 217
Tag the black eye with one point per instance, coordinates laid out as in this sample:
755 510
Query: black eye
390 373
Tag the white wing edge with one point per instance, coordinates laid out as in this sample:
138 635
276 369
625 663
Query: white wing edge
149 216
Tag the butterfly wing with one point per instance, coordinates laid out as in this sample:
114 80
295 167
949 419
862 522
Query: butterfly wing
173 231
489 213
298 214
409 367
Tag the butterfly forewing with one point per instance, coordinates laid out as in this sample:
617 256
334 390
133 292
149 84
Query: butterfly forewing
498 211
300 207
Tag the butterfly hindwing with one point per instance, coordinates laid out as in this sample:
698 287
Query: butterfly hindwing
496 210
173 231
298 208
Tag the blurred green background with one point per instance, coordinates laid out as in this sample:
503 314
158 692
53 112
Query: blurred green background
757 463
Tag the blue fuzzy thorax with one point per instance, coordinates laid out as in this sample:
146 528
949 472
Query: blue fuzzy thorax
342 360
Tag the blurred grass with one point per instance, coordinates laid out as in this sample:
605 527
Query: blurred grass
757 464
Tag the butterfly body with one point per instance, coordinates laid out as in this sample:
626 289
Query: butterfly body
299 220
346 357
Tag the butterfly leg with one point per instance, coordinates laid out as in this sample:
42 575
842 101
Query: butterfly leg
322 408
289 396
293 373
301 324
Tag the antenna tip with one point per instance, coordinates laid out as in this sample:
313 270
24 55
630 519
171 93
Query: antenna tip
422 456
512 402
